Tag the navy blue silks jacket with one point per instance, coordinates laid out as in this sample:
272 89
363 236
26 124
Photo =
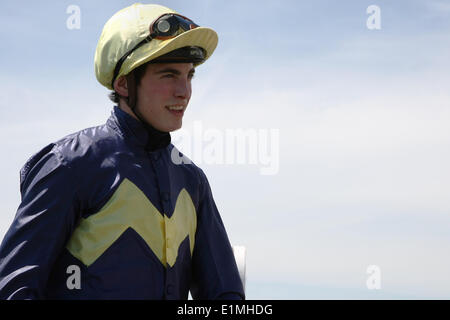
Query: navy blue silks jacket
103 216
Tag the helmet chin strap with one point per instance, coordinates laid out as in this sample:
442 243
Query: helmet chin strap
132 96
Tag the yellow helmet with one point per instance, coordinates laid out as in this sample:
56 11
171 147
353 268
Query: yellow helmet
131 38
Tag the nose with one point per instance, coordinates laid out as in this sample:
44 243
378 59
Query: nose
183 89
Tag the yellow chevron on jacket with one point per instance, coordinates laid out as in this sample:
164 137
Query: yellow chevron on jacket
129 207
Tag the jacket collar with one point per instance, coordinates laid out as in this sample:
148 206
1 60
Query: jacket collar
143 134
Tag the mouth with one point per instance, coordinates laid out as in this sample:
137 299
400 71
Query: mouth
177 110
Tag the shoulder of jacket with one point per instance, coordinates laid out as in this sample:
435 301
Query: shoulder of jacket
67 150
86 144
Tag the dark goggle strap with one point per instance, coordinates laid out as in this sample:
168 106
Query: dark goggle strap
120 62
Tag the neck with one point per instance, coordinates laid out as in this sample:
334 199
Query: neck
157 139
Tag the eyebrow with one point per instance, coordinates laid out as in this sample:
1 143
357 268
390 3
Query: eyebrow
174 71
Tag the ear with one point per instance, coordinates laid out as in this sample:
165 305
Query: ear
121 86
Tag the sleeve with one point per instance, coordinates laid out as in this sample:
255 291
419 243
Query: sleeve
43 222
215 274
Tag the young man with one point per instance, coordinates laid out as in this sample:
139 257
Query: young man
106 213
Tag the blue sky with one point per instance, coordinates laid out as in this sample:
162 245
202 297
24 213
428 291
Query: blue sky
362 115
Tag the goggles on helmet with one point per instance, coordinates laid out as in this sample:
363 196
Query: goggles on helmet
167 26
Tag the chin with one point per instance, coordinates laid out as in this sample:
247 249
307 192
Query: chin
170 128
175 129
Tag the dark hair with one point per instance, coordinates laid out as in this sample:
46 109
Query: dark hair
139 72
114 97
